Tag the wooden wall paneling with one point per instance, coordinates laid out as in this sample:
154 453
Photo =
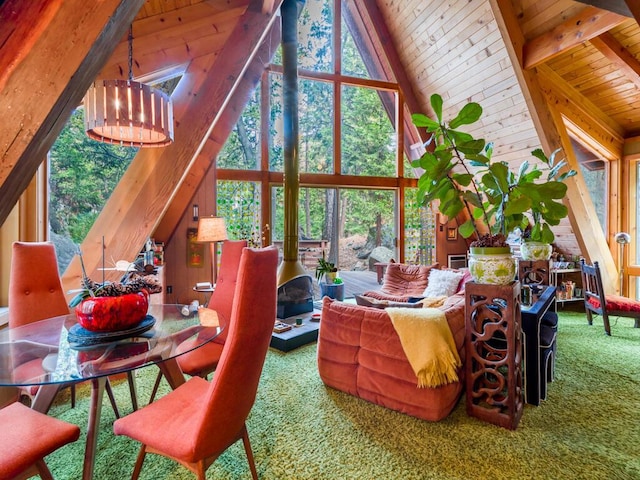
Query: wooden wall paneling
215 141
37 91
141 198
588 234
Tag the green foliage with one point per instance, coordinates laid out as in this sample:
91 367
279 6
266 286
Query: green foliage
492 194
83 174
324 267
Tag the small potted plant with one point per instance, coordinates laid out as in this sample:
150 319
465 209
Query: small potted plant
326 270
459 174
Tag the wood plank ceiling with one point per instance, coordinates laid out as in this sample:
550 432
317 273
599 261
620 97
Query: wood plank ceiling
584 60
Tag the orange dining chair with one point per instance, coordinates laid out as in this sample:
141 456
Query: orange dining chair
596 303
198 421
204 360
35 293
27 437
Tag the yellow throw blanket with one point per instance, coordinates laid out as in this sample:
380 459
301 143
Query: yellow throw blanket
428 344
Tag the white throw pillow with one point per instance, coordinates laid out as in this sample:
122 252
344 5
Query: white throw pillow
442 282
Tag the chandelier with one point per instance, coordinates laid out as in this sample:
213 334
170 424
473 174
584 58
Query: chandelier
128 113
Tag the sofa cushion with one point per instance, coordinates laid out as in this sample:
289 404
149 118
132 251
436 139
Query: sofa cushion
406 280
442 282
365 301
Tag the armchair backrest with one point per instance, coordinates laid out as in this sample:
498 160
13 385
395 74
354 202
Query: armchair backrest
406 280
234 386
35 290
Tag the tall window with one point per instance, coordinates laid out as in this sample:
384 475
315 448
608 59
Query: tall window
348 149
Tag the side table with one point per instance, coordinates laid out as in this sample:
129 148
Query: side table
493 367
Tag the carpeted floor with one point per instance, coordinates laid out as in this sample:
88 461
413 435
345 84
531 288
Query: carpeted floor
588 428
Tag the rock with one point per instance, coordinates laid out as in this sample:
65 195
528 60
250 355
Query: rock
380 254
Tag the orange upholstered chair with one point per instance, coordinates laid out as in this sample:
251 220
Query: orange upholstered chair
27 437
199 420
35 293
204 360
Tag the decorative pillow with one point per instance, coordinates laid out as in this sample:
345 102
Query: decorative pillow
375 303
442 282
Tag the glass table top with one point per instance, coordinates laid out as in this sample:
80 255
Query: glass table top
41 353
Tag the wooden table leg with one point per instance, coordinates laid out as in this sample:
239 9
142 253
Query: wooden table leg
171 371
44 397
97 392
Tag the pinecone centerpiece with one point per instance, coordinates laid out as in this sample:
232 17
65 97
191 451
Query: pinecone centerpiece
114 306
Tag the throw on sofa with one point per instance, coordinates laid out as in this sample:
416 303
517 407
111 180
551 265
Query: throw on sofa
359 352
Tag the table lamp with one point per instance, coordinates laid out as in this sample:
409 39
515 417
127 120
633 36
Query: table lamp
212 230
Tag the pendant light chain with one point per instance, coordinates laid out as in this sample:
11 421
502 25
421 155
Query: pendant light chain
131 52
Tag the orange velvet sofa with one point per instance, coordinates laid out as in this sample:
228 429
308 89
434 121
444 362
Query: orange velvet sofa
359 352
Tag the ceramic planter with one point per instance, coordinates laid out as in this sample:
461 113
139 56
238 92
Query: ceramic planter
492 265
111 314
332 290
535 251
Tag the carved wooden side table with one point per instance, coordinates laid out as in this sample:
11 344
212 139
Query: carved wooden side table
493 366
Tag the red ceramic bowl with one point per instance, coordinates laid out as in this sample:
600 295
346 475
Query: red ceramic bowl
111 314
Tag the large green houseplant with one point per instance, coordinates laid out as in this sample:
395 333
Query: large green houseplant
459 174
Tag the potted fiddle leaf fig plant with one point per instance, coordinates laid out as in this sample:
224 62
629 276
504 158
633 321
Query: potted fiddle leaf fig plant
459 174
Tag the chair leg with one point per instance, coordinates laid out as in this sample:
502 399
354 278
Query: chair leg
72 389
132 390
607 325
637 323
155 387
43 470
139 461
247 449
112 399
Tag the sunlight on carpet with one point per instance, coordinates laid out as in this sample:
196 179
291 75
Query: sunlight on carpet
587 428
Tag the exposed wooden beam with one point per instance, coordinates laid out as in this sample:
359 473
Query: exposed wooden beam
223 127
38 91
590 23
618 56
548 124
634 8
615 6
153 178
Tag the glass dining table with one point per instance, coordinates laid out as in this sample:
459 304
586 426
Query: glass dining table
56 352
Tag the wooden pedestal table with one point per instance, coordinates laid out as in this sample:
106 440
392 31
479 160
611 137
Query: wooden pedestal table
493 366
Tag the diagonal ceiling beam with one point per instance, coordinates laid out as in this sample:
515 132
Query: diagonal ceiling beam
38 91
589 23
618 56
150 183
223 127
634 7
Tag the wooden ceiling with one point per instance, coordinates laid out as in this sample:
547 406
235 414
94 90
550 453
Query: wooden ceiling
580 58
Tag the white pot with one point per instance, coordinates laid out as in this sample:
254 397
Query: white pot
535 251
492 265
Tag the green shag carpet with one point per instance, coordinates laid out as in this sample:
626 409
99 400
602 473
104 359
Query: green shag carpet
588 428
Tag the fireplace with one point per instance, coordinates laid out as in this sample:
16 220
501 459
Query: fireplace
295 296
295 285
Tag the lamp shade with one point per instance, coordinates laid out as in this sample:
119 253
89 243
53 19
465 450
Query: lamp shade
128 113
211 229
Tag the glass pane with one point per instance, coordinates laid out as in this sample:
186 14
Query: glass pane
366 220
315 36
242 148
358 55
595 172
239 204
368 135
419 230
276 127
316 126
82 176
